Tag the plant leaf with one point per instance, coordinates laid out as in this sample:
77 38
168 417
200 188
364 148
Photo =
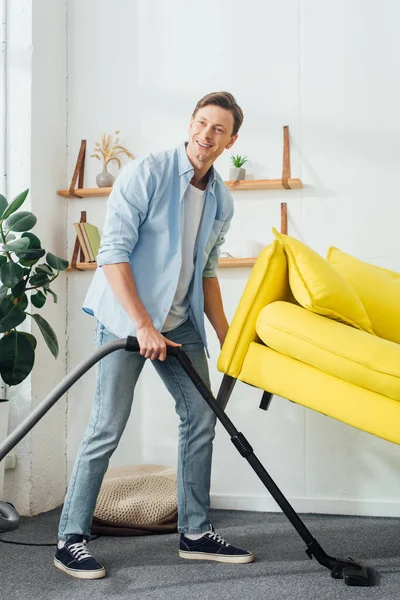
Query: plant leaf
3 259
17 357
34 241
44 269
10 315
10 237
59 264
31 338
38 299
15 204
23 304
3 292
31 255
16 245
19 289
55 298
22 221
48 334
39 279
11 273
3 204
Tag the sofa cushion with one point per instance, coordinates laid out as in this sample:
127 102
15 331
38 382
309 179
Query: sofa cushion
377 288
318 287
307 386
344 352
268 282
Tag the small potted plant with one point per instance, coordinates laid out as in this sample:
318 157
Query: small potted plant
236 171
106 152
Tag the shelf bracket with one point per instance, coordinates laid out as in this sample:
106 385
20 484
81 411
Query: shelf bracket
286 158
285 176
284 218
77 246
79 171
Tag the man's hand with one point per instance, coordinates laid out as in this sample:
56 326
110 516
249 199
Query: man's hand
152 343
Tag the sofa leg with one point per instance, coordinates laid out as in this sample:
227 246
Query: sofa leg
225 391
353 573
266 400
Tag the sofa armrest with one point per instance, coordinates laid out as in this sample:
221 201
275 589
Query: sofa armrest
268 282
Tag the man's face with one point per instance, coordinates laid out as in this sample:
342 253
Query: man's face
210 132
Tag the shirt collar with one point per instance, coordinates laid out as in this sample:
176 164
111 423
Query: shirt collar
185 165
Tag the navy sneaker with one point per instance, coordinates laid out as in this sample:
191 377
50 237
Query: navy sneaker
75 560
212 547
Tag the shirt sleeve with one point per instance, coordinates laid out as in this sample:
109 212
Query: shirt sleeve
127 208
210 270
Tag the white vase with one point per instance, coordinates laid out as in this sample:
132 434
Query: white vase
4 411
104 179
237 173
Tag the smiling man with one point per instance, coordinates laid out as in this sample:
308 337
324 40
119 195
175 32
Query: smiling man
167 217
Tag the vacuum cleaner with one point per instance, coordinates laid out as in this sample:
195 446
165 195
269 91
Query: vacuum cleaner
352 572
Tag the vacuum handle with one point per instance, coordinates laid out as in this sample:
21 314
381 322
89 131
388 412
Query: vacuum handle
132 345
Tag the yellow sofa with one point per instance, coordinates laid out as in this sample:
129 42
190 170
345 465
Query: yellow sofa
324 333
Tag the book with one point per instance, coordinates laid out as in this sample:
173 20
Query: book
92 238
82 242
87 243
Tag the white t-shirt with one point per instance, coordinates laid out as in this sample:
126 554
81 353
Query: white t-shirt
191 212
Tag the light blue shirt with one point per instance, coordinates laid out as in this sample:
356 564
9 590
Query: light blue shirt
142 228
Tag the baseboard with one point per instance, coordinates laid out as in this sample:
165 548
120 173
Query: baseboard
368 508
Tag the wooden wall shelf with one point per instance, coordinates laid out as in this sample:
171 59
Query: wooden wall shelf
285 183
263 184
243 184
86 192
223 263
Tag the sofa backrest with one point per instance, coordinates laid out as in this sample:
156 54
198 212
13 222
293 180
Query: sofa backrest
267 283
377 288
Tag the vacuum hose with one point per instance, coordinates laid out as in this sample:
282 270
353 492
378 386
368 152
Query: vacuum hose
9 518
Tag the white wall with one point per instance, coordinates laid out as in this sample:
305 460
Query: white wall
36 142
327 70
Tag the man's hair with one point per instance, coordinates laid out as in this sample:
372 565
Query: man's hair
224 100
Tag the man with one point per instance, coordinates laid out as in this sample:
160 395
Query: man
167 217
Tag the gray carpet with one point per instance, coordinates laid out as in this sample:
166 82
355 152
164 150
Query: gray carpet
149 567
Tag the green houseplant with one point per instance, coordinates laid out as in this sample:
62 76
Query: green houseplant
236 171
24 286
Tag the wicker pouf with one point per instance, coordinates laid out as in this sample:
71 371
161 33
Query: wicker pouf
137 500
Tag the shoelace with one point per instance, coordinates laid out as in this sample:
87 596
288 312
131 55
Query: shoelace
79 551
217 538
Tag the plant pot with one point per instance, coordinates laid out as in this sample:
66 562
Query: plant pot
4 411
104 179
236 173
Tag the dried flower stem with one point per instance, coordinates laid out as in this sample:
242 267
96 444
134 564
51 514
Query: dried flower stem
108 151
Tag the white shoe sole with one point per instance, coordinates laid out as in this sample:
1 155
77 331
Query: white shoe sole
247 558
80 574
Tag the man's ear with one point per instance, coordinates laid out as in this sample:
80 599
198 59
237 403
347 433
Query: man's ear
231 142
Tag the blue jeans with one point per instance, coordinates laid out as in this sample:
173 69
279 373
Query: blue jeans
117 375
